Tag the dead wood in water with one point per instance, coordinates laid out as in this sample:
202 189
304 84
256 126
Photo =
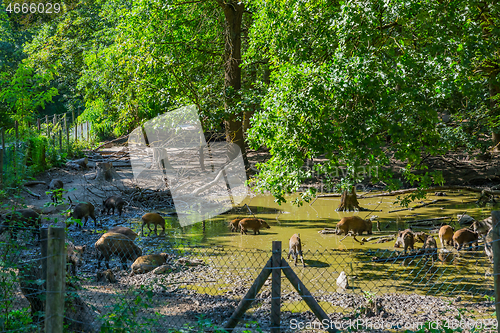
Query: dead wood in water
410 190
418 206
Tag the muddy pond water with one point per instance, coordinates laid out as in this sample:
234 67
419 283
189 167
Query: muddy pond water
468 275
287 219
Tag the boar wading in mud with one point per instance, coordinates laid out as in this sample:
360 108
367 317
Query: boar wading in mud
21 219
111 203
355 224
446 235
295 249
112 243
152 218
405 239
464 237
125 231
254 224
56 186
84 210
74 256
234 225
148 262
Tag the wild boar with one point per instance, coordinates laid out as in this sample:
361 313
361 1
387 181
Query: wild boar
19 219
295 249
430 246
446 235
464 236
74 256
482 227
254 224
148 262
152 218
84 210
125 231
56 187
234 225
112 243
111 203
420 237
406 239
355 224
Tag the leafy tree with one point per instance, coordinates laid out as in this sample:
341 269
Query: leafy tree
363 82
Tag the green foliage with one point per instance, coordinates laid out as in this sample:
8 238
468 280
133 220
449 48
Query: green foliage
364 83
123 317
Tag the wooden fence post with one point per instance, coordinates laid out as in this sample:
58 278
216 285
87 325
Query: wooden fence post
495 216
43 248
47 124
88 132
56 275
250 296
38 126
276 288
67 130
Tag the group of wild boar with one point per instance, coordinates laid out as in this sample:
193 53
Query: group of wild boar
406 239
117 241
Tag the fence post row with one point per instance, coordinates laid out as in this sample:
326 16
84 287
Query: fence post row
276 264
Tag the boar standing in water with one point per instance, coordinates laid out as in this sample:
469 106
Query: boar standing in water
295 249
148 262
234 225
152 218
84 210
111 203
430 246
354 224
124 231
252 223
19 219
405 239
446 235
464 236
74 256
112 243
56 187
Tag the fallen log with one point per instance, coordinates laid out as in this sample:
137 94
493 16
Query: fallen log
35 182
410 190
108 142
418 206
31 193
78 164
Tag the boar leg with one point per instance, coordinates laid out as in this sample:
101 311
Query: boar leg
124 262
93 218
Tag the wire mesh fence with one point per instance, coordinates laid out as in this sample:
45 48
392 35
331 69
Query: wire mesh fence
174 287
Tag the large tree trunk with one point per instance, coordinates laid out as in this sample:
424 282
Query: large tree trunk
349 202
233 12
495 111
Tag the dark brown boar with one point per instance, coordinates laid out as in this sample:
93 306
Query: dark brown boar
125 231
405 239
295 249
254 224
355 224
430 246
74 256
148 262
84 210
234 225
112 243
446 235
56 187
19 219
464 236
420 237
111 203
152 218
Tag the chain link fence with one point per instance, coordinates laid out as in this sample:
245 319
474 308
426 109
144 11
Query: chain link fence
184 288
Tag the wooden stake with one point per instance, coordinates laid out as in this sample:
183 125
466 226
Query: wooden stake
495 216
276 288
306 296
250 296
56 275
